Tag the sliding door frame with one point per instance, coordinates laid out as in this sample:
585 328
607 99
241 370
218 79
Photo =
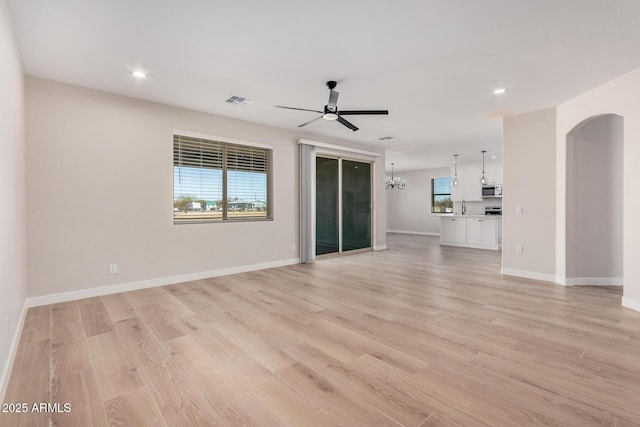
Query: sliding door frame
371 164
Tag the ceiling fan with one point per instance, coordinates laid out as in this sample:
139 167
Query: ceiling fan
331 111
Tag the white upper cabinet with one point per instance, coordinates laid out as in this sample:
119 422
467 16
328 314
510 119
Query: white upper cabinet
472 185
493 173
469 187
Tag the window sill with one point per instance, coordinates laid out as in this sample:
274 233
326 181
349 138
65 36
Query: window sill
222 221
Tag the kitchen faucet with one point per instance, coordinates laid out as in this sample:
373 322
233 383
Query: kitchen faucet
464 207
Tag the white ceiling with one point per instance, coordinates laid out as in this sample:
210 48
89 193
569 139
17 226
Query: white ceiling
432 63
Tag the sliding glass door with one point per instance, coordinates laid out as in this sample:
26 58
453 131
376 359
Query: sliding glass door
356 205
327 209
343 205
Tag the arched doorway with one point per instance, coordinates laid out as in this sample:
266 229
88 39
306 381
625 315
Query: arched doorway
594 231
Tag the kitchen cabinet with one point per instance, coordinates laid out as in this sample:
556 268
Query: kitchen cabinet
481 232
493 174
453 230
469 187
472 185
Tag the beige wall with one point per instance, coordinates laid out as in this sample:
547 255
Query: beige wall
533 173
620 96
100 191
529 152
409 210
13 249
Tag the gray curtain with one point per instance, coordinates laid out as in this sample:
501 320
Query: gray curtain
307 203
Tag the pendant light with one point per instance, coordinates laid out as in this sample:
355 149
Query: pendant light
455 170
394 182
483 180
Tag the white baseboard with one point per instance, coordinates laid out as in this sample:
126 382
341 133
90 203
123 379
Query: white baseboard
529 275
380 247
8 366
564 281
591 281
418 233
471 246
632 304
151 283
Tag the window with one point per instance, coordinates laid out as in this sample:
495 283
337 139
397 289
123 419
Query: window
219 181
441 195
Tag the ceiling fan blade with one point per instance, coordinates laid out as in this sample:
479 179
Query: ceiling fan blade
312 120
333 100
363 112
299 109
347 124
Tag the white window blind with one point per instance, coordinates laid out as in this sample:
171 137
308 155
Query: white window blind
218 181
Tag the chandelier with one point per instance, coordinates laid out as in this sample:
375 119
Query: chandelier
392 182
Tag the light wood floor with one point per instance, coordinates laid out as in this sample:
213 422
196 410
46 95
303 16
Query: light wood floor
417 335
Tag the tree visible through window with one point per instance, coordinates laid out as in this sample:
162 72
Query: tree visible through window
217 181
441 195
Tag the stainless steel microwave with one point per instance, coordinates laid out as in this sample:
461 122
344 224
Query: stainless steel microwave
492 191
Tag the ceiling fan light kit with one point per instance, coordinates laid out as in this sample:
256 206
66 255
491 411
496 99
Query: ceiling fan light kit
332 113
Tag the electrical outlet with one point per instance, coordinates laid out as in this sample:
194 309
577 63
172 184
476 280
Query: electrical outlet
519 211
113 268
519 249
293 247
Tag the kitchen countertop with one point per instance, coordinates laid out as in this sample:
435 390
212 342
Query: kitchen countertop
470 216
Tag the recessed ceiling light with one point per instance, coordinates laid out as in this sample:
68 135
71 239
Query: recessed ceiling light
139 74
500 91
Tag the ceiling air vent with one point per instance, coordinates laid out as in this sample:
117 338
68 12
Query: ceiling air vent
238 100
386 138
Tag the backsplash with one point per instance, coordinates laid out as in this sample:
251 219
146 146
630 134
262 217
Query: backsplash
476 208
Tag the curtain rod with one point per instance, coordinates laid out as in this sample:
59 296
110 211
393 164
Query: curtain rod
338 147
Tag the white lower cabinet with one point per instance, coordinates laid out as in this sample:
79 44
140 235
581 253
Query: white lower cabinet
481 233
453 230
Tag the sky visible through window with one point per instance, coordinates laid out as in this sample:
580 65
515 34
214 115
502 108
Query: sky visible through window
442 185
206 184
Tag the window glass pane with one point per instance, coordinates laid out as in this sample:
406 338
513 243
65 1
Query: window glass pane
246 194
197 193
442 185
442 204
214 180
441 195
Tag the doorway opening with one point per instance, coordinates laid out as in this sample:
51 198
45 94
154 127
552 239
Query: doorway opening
594 202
